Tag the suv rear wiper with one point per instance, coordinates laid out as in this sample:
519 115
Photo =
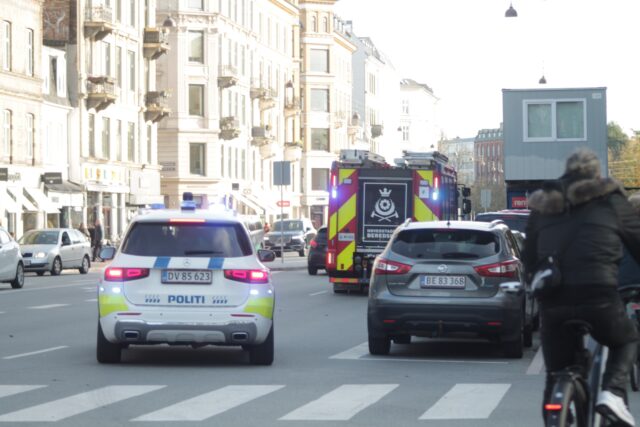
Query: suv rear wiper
203 252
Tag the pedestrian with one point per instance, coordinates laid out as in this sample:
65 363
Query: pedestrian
82 228
629 273
267 227
588 218
97 240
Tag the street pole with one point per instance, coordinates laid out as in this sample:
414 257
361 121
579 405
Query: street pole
282 211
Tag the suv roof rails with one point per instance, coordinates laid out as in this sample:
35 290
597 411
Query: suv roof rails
496 222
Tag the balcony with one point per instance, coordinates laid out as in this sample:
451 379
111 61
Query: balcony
293 151
156 42
157 106
101 92
265 95
376 131
229 128
98 22
339 119
291 107
227 76
261 135
268 150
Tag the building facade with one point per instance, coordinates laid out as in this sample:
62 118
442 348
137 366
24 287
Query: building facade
461 154
418 128
23 205
489 156
326 94
235 110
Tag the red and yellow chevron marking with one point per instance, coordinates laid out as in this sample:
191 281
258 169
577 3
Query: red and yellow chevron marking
344 280
342 218
423 209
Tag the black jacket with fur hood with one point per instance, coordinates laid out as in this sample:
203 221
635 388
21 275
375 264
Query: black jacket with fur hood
596 218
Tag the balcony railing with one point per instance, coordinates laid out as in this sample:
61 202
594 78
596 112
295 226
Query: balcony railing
98 22
101 92
227 76
376 131
157 106
261 135
156 42
229 128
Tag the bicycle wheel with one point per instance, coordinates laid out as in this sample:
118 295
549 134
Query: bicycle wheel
568 406
635 375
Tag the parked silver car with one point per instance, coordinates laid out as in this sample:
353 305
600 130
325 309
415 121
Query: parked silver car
55 249
11 265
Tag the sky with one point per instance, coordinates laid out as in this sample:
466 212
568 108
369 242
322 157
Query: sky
467 51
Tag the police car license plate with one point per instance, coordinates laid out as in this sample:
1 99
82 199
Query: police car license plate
443 282
200 277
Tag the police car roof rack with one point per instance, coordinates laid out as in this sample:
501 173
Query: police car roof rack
417 158
361 158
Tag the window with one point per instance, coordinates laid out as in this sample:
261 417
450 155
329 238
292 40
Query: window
320 60
325 24
118 7
92 135
29 141
195 4
131 142
320 100
320 139
554 120
319 179
196 46
118 153
29 67
107 58
371 81
149 144
433 243
196 100
118 66
6 51
132 70
106 137
314 24
405 133
132 12
196 159
405 106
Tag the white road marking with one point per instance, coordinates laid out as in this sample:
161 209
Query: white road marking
318 293
467 402
46 350
536 364
60 409
9 390
342 403
44 307
361 352
207 405
90 288
91 300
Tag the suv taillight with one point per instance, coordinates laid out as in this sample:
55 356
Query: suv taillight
313 243
499 269
384 266
247 276
123 274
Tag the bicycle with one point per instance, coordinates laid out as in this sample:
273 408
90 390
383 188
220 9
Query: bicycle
575 389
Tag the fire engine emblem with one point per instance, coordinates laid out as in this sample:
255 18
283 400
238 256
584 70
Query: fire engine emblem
384 209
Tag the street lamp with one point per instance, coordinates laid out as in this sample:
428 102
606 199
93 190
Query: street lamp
169 22
511 12
542 80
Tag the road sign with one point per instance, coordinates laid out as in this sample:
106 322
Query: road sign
282 173
283 203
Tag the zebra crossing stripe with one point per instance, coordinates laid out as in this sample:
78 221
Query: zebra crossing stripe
342 403
467 402
207 405
9 390
60 409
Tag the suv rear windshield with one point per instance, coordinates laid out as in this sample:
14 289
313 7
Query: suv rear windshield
287 226
209 240
446 244
514 222
321 236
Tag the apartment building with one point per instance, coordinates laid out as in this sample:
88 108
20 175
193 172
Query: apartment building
111 48
326 92
461 154
234 71
418 128
23 205
489 156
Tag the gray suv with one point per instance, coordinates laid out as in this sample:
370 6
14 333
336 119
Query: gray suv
290 235
452 278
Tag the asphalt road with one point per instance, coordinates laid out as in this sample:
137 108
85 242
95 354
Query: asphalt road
322 374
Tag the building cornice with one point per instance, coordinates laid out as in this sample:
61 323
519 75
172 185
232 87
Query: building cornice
344 42
287 7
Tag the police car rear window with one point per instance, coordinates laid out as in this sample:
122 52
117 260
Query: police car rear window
446 244
209 240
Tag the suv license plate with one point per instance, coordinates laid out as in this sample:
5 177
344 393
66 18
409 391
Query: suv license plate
199 277
443 282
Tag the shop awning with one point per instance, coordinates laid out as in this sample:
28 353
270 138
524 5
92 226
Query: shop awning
65 187
267 208
65 194
26 205
8 203
41 200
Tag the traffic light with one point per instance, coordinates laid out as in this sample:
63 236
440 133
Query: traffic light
466 206
466 192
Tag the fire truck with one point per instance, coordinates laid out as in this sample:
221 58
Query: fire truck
369 198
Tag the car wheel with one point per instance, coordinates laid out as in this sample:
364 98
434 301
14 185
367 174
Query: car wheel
278 254
18 281
527 336
40 273
262 354
56 267
312 270
514 349
302 252
402 339
635 375
379 346
86 264
106 351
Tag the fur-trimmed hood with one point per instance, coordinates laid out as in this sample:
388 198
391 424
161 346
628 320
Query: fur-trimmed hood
552 200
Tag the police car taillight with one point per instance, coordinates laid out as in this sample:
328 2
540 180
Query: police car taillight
247 276
121 274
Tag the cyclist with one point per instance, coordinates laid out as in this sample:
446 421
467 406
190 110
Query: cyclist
630 269
589 270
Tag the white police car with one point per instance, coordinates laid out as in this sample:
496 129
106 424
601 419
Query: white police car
186 277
